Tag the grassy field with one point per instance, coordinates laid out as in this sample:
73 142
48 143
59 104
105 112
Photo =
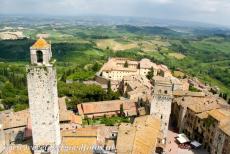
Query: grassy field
178 56
115 45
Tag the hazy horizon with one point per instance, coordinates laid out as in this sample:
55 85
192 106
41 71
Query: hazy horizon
206 11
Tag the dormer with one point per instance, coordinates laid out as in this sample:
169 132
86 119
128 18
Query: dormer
40 52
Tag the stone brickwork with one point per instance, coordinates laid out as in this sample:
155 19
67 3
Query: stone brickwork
161 103
2 139
43 100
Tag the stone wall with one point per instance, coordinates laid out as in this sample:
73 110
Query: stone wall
2 139
43 101
161 108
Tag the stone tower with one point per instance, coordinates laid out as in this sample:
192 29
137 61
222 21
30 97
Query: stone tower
161 103
2 139
43 98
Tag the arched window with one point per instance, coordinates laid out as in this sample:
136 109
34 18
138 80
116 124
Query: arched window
39 57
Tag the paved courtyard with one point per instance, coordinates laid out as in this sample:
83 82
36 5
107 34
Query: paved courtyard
172 146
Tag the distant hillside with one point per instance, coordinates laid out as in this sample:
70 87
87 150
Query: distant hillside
146 30
15 50
18 50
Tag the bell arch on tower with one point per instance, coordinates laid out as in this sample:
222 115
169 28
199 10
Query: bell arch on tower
39 55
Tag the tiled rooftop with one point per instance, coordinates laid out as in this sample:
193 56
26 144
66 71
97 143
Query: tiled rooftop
220 114
105 106
200 104
40 44
141 137
225 128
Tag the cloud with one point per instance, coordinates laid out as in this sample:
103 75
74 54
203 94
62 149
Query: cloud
161 1
214 11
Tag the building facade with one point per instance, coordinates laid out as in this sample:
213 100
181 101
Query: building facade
117 68
161 103
43 98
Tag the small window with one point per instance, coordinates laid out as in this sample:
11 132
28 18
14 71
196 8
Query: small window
39 57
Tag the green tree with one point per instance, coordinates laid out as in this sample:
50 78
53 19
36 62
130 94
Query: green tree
19 107
109 89
126 64
150 73
96 67
8 90
121 110
221 95
225 96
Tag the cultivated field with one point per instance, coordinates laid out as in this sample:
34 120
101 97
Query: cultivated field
114 45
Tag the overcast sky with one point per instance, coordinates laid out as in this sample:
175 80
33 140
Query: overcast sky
210 11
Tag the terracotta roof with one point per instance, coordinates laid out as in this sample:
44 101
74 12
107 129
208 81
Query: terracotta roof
141 137
202 115
106 106
200 104
12 119
40 44
147 64
75 144
81 132
220 114
117 64
125 139
188 93
162 80
80 137
104 132
163 67
136 81
226 128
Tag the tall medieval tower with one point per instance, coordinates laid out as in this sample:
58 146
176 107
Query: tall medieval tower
161 103
43 98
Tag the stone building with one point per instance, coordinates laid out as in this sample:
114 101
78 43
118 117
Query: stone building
117 68
13 125
216 133
136 87
188 108
43 97
17 127
221 142
2 139
181 101
203 118
161 103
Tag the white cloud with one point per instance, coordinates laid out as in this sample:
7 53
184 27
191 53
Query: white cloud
161 1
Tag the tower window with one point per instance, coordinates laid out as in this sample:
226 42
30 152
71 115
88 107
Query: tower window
39 56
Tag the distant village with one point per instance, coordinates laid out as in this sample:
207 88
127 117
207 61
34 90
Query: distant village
152 98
